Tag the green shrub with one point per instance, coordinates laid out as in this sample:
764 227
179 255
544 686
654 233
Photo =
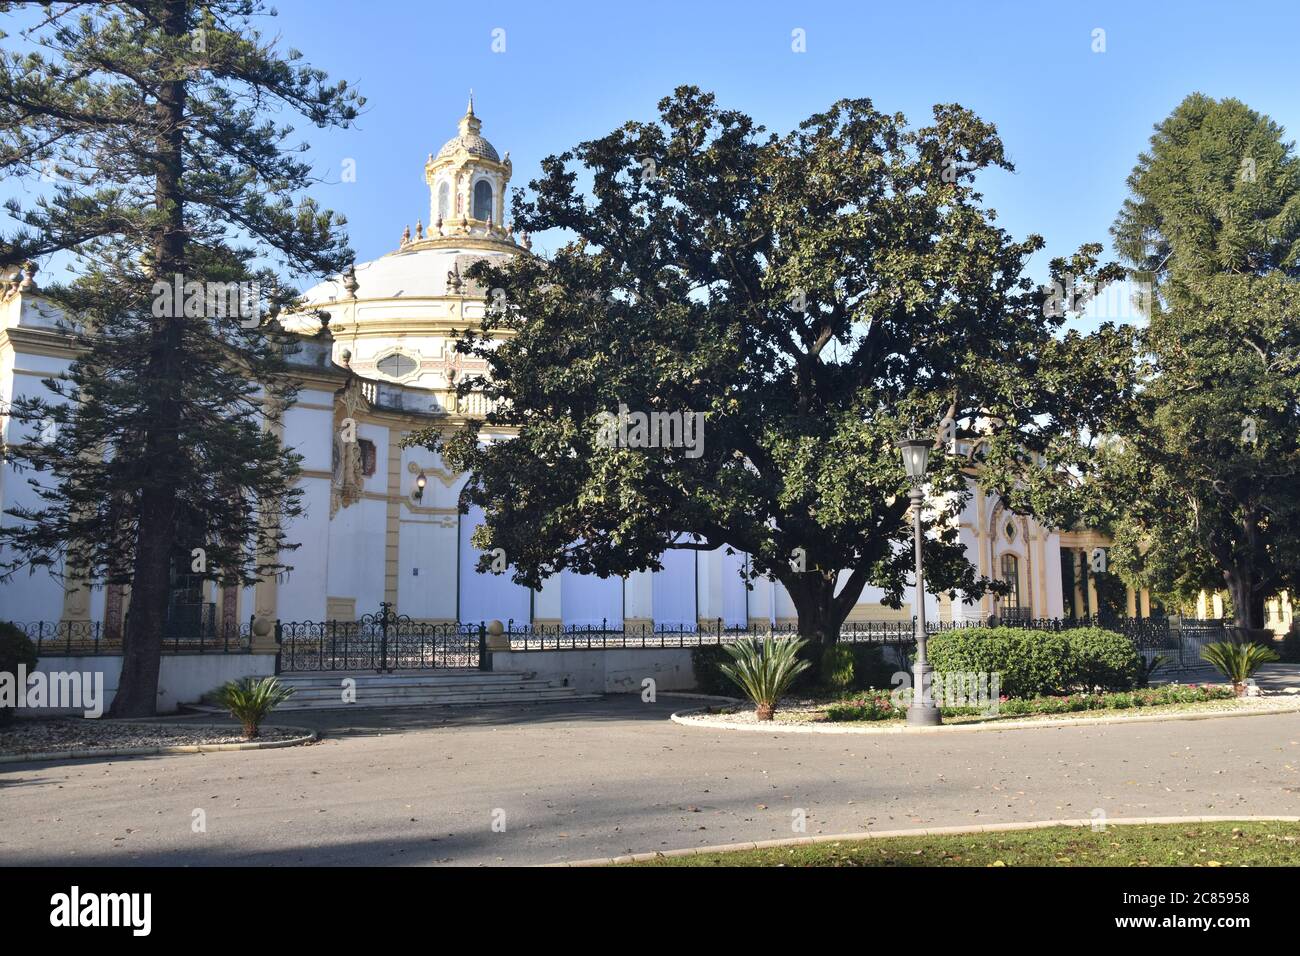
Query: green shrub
764 670
15 648
1039 663
811 653
707 661
870 668
837 668
250 701
1030 663
1103 660
871 706
879 706
1289 648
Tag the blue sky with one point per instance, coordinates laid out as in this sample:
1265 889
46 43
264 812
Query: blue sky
1073 120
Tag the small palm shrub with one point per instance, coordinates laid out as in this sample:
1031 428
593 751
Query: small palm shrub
15 648
1238 660
764 670
249 701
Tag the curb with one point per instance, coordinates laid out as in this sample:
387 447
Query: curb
678 718
308 736
923 831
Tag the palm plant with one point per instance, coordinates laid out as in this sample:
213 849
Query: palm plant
764 670
249 701
1238 660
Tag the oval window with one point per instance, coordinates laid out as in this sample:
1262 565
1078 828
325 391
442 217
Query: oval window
397 365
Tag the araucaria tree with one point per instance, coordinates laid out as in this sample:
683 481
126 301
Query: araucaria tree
153 126
1205 478
811 297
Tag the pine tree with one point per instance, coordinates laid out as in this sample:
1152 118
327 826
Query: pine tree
158 122
1205 478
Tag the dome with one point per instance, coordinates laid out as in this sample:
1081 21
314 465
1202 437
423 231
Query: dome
404 274
473 143
469 139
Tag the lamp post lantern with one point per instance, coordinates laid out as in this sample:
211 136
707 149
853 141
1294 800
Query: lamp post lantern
921 712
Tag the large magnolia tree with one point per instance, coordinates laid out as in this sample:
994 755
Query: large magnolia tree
1204 479
150 130
813 296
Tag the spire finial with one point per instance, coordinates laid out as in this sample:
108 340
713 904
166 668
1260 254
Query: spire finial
470 109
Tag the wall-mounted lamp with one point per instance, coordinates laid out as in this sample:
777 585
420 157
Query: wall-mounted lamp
420 481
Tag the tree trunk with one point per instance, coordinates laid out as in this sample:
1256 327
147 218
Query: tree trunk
1247 599
821 611
137 691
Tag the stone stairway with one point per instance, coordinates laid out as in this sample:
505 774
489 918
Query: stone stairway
431 688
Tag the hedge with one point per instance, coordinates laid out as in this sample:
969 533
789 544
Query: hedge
1039 663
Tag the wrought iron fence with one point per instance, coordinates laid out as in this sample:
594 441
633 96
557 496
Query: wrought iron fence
556 637
387 641
384 641
1179 643
93 638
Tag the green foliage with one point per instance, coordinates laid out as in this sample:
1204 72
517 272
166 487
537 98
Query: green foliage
1289 650
1213 220
881 707
250 701
1148 669
1036 663
15 648
1030 662
1103 659
706 662
865 661
813 295
870 668
764 670
837 668
872 706
1238 660
169 160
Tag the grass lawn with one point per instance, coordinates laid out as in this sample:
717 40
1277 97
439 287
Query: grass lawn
1201 844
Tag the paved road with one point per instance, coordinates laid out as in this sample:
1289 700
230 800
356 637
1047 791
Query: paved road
599 779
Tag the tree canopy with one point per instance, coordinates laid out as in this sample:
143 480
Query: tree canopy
154 125
1203 483
813 296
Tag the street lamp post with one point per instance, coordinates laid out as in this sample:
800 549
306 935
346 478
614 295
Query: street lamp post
921 712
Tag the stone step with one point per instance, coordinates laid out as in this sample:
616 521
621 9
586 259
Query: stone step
432 678
377 701
333 693
322 690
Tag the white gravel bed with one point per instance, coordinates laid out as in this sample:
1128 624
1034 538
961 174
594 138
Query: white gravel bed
806 713
26 736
